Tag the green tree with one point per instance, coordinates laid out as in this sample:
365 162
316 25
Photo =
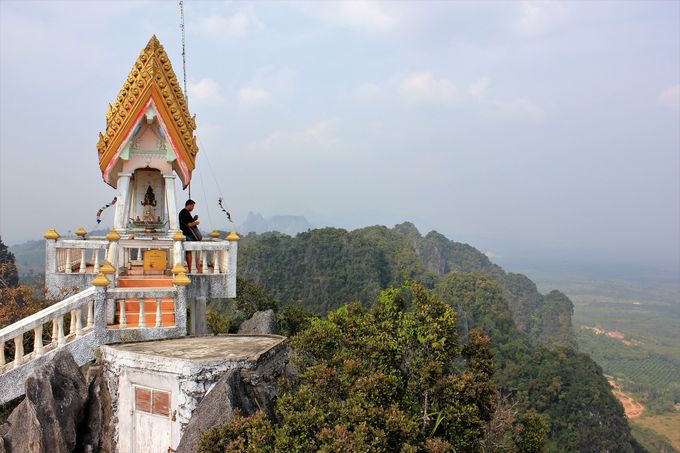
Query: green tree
9 277
389 378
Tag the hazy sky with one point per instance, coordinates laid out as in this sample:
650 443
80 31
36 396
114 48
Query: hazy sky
528 129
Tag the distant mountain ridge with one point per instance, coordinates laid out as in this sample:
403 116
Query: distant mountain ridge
286 224
328 267
537 364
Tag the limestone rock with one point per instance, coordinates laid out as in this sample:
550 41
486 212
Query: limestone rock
95 430
215 409
262 322
248 391
48 417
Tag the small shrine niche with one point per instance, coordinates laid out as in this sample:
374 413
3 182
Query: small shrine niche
148 201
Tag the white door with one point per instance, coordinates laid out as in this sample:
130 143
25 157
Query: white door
151 422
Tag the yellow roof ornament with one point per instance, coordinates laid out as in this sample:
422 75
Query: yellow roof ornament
101 280
214 234
51 234
80 232
179 236
178 269
113 236
181 279
107 269
233 236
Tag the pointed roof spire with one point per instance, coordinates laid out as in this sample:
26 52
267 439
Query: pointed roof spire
151 79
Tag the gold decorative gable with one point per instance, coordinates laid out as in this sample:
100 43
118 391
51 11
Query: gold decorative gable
151 78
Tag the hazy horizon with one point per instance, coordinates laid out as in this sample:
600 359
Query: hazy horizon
547 132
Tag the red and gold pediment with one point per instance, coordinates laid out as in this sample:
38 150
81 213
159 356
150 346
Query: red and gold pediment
151 81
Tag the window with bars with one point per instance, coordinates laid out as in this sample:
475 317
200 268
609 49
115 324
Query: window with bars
152 401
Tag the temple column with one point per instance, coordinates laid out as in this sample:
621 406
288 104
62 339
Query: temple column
122 205
170 201
128 205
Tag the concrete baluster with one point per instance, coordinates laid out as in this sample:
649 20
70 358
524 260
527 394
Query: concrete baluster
194 269
96 261
216 262
2 353
68 261
159 315
18 350
142 313
139 254
223 258
54 331
122 317
79 323
90 314
37 341
204 269
72 324
61 340
82 261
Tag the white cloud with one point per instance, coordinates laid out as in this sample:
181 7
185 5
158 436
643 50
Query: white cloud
320 135
424 87
238 25
369 91
365 14
358 14
521 108
205 91
251 96
670 97
537 17
478 89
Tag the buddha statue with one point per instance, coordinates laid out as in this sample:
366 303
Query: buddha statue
149 203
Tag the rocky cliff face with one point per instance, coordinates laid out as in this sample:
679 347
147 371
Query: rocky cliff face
61 412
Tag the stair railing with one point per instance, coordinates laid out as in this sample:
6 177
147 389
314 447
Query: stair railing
79 307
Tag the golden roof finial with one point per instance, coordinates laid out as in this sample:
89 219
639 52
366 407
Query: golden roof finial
151 77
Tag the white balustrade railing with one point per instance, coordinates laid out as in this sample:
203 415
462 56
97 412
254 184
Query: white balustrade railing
53 315
79 256
131 251
126 297
210 256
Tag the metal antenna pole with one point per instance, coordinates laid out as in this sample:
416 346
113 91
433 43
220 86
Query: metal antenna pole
184 51
184 61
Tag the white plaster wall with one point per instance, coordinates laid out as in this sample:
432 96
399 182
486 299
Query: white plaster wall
127 379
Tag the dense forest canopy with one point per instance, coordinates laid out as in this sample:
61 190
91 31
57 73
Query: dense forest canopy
536 368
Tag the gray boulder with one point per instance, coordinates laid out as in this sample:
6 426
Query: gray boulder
262 322
218 407
95 432
215 409
48 417
247 391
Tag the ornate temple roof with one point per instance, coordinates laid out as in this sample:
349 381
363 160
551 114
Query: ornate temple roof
151 80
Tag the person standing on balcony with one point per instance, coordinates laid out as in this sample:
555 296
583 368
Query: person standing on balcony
189 226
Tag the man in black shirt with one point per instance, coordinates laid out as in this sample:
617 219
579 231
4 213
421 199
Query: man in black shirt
188 224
